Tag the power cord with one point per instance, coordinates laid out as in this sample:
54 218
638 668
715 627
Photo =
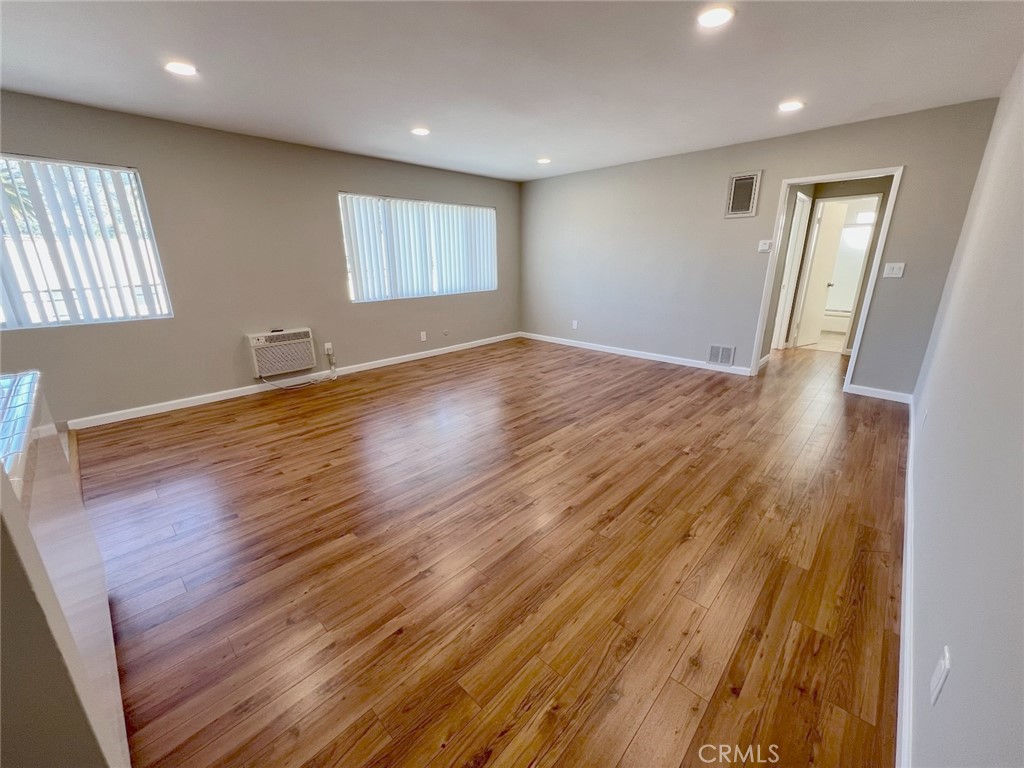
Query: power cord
303 385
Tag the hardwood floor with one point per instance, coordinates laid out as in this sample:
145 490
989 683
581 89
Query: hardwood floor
520 554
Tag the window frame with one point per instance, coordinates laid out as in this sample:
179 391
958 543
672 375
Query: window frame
146 221
434 277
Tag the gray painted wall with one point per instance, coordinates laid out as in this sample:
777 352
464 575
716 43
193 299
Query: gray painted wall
44 724
250 239
642 256
967 484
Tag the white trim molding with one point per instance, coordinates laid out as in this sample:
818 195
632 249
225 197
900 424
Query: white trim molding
252 389
228 394
872 277
188 402
422 355
780 220
685 361
763 362
905 699
881 394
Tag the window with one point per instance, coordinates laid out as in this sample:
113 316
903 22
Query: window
78 246
402 249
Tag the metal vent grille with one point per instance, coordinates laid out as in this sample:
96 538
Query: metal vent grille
283 358
281 352
720 355
276 338
743 194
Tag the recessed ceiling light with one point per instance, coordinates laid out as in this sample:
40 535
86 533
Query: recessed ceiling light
421 131
791 106
715 16
543 160
181 68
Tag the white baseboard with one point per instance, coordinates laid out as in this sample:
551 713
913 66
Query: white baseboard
881 394
427 353
251 389
905 702
763 362
643 355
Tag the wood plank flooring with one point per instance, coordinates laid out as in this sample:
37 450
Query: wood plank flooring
520 554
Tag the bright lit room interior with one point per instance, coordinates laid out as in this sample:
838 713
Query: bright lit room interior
512 384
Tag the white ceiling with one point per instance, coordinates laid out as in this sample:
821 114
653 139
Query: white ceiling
501 84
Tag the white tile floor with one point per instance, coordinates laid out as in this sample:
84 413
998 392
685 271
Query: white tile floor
829 342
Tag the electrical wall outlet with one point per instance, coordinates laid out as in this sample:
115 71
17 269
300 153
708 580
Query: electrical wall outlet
423 335
575 324
764 246
893 269
328 348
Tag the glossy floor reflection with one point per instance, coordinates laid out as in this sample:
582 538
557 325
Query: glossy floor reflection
520 554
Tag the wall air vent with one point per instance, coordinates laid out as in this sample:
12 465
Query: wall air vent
721 355
743 194
279 352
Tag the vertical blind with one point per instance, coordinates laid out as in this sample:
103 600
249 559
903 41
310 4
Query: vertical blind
78 246
402 249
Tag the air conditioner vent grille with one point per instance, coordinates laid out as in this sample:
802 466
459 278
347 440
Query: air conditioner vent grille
281 352
282 358
276 338
720 355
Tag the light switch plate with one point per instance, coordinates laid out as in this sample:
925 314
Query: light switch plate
893 269
940 674
764 246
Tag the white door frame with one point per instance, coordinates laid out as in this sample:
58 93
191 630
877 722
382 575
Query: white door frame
805 272
766 295
808 262
787 292
863 268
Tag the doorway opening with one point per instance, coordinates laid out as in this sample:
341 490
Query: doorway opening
830 273
830 234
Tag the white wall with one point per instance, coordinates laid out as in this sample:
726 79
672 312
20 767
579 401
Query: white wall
967 480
